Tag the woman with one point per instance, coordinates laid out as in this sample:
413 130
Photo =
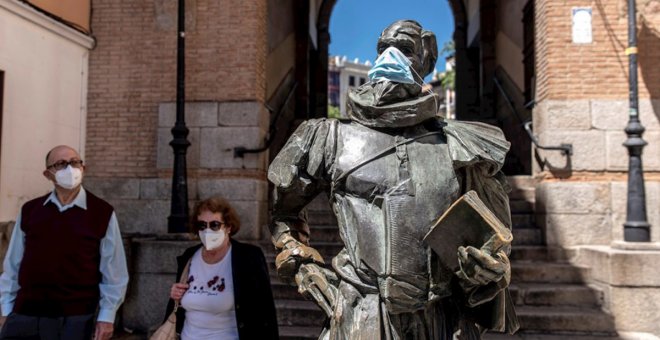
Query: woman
227 294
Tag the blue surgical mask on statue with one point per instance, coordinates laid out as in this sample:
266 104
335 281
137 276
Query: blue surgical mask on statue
392 65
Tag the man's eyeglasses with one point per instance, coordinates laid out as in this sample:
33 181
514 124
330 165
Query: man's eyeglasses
59 165
214 225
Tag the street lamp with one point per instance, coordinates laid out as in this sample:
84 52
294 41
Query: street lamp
636 228
176 222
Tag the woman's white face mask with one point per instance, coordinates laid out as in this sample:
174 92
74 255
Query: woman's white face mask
212 239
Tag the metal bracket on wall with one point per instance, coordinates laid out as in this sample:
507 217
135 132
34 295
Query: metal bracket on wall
566 149
240 151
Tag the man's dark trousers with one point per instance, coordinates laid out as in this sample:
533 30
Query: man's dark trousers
18 326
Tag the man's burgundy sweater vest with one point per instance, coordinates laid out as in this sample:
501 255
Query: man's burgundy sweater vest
59 274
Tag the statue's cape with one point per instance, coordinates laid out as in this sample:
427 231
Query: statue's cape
476 144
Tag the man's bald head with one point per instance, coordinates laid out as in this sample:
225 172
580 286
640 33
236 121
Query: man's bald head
61 152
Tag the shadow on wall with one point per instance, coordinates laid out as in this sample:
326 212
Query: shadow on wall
564 170
649 54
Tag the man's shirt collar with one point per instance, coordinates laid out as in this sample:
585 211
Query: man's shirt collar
80 200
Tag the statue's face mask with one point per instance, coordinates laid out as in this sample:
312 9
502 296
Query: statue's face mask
392 78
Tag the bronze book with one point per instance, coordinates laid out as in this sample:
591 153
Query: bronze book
467 222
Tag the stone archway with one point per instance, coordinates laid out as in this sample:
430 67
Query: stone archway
477 97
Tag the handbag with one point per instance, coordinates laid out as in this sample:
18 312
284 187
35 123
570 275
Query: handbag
167 331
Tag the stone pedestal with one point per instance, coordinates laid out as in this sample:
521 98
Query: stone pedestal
628 276
152 266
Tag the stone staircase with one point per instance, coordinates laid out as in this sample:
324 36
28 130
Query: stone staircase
551 296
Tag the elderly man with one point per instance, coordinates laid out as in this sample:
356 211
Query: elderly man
65 261
390 172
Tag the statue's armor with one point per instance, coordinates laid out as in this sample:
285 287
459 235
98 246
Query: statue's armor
387 205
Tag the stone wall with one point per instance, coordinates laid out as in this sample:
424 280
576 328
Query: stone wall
216 128
133 71
566 70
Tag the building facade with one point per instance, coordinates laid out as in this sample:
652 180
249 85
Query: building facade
343 76
256 69
43 95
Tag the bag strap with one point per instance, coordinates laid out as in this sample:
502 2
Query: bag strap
184 278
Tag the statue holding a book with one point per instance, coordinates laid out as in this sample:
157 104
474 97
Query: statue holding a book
421 205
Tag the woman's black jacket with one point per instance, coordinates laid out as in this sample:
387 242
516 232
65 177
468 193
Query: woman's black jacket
253 298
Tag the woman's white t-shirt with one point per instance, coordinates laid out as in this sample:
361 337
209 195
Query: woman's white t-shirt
209 301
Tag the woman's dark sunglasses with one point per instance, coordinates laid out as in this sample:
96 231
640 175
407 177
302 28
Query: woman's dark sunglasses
214 225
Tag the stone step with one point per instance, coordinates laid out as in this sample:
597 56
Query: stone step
522 221
522 335
325 233
299 333
547 272
523 194
538 294
283 291
294 313
299 313
548 294
521 182
527 236
565 319
321 217
528 253
519 252
519 206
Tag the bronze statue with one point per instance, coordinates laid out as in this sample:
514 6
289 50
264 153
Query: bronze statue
390 172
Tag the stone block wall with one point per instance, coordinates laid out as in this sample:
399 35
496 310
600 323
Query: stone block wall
133 70
216 128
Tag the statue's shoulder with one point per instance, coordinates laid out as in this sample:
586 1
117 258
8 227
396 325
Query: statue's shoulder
475 143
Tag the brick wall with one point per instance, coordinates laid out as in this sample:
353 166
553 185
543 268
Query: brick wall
598 70
133 69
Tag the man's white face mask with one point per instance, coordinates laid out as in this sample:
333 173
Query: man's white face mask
69 177
212 239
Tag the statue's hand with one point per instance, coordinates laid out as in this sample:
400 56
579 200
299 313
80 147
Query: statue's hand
292 254
319 284
479 268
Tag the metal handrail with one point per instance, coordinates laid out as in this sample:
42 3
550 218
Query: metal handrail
240 151
566 149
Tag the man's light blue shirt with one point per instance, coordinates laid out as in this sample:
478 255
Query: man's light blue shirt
114 274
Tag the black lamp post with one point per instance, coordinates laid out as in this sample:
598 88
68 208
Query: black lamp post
176 222
636 228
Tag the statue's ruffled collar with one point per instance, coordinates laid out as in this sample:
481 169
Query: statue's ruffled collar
363 109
